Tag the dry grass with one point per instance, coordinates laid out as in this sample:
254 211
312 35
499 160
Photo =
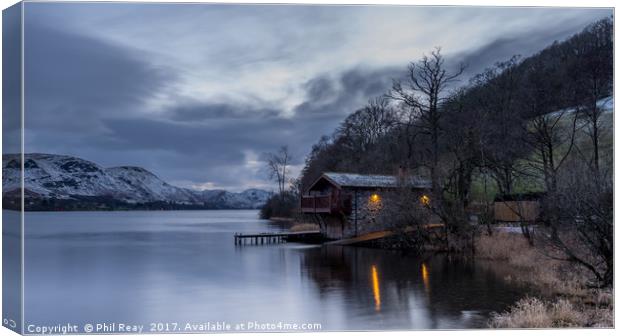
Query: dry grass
601 317
534 313
501 246
575 304
304 227
526 313
530 265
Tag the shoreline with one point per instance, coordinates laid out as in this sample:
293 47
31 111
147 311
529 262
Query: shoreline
561 296
127 210
282 219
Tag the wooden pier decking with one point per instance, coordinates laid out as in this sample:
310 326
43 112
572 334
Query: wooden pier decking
312 237
276 237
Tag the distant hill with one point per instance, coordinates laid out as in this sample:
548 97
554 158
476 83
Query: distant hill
60 182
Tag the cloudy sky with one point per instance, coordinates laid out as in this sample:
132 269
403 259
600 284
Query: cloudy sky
196 93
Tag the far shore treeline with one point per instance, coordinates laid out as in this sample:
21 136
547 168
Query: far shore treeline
540 124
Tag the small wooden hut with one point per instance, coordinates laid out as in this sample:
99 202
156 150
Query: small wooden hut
348 205
517 207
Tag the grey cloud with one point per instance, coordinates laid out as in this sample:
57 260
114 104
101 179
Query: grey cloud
347 92
71 80
522 43
206 111
74 82
11 66
220 134
218 138
211 151
320 88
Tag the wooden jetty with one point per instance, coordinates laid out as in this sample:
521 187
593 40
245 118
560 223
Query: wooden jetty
313 237
277 237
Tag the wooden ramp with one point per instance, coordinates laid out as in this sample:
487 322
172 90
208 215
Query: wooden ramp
362 238
374 235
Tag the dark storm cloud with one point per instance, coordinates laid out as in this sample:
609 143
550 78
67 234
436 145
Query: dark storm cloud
222 139
217 136
521 43
204 111
73 80
347 92
320 88
211 148
11 74
85 99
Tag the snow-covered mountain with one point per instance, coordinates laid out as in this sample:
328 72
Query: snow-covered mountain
251 198
50 177
146 186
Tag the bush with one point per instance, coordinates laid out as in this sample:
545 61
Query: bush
280 205
579 224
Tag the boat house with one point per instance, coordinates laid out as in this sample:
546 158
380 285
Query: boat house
348 205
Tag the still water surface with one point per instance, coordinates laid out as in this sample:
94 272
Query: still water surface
182 266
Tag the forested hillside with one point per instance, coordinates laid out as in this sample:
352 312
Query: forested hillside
540 123
484 125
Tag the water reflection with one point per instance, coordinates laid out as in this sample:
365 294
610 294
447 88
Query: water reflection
139 267
437 292
375 288
425 278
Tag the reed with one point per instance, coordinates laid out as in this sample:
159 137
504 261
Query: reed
569 301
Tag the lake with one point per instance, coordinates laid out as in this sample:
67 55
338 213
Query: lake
181 267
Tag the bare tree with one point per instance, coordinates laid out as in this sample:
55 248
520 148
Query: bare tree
365 127
462 152
552 143
550 135
504 135
591 76
580 221
278 166
422 94
318 161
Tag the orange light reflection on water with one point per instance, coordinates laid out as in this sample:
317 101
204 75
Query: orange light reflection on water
425 279
375 288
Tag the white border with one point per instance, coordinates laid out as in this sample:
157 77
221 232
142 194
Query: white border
496 3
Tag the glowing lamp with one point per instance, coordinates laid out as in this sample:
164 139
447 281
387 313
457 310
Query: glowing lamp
425 200
375 198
